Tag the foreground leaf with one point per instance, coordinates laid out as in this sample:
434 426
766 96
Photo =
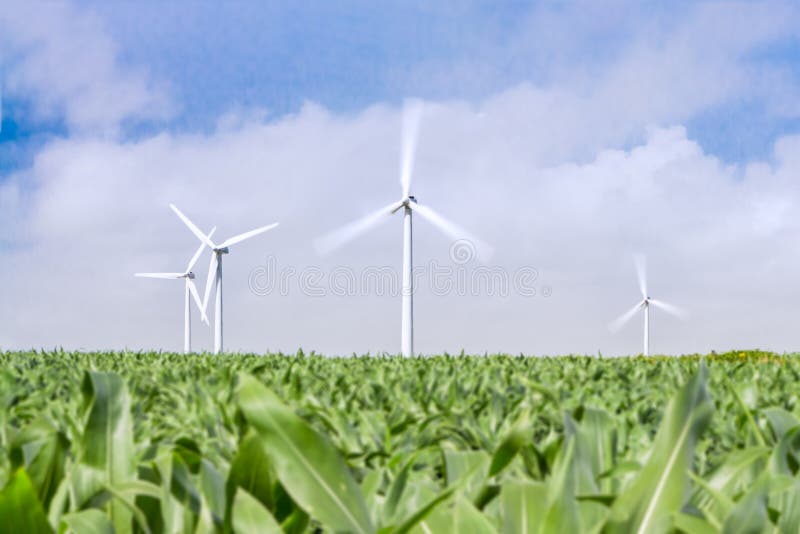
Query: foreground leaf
661 487
41 449
90 521
308 466
20 509
107 442
251 471
249 515
523 506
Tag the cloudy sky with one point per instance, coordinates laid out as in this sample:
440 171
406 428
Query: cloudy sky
567 137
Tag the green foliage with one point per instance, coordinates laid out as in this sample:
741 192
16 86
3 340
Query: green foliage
309 467
249 515
135 442
20 509
660 489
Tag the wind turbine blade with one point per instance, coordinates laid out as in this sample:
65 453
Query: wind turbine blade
452 230
212 273
624 318
412 115
195 230
669 308
199 251
166 276
196 297
247 235
641 273
352 230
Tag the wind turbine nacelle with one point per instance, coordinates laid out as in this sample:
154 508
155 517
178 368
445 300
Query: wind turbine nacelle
190 275
408 200
223 250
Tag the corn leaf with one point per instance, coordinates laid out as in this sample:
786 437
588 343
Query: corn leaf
20 509
308 466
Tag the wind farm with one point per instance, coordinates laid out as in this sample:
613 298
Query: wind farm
190 292
398 441
214 280
443 268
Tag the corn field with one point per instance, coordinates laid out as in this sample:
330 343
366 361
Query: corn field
152 442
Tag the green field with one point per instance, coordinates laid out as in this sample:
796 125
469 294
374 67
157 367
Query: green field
123 442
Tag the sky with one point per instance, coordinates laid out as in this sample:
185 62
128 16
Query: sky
569 137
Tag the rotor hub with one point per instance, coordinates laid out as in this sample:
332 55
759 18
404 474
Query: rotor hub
409 199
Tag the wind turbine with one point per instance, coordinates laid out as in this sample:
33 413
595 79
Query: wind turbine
215 268
408 203
645 304
189 289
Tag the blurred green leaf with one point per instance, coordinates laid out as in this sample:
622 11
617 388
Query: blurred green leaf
595 450
421 520
523 505
213 488
662 486
107 442
20 509
467 518
692 524
249 515
42 450
780 421
90 521
510 446
562 512
749 515
251 471
310 469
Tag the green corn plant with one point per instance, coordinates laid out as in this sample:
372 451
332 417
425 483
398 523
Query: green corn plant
158 442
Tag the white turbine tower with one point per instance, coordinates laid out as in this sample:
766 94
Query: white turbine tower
644 304
189 289
408 203
215 268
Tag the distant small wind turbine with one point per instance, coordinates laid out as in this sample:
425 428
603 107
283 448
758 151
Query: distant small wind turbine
644 304
412 114
215 268
189 289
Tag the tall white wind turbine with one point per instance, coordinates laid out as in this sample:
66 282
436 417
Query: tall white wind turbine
412 114
189 289
215 268
644 305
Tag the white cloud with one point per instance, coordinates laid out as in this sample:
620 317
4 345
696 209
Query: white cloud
716 236
61 60
598 74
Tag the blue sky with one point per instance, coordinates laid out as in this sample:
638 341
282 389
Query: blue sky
213 57
344 55
566 135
